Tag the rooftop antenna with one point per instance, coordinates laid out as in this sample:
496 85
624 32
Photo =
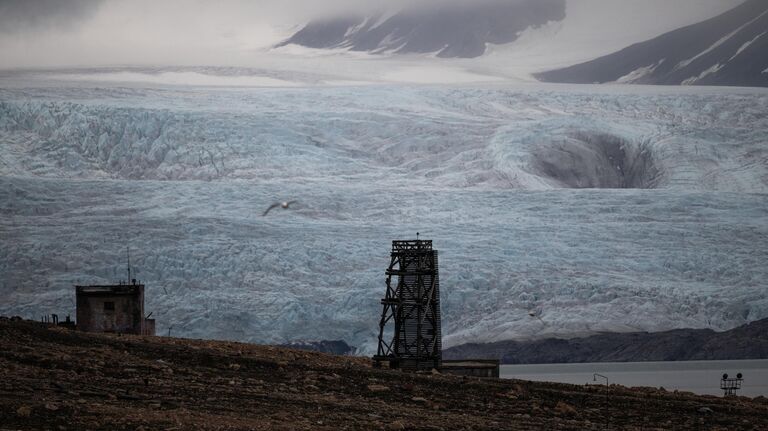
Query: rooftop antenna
128 253
595 376
417 236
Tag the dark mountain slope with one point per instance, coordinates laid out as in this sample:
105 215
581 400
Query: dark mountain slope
459 30
730 49
745 342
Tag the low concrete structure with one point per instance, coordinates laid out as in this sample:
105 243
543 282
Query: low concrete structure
149 327
472 367
113 308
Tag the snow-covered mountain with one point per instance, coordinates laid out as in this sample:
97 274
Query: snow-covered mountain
730 49
458 30
513 39
671 234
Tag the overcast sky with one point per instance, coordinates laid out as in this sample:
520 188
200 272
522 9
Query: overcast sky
231 32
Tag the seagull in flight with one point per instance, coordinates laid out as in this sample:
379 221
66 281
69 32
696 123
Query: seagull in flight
534 315
283 205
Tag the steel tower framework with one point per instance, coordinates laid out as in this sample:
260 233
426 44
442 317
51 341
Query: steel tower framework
412 306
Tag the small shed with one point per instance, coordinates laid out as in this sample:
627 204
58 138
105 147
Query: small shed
115 308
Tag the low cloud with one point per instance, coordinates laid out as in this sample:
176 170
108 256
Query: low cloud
239 32
19 16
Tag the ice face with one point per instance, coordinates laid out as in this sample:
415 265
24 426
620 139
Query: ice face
675 238
491 137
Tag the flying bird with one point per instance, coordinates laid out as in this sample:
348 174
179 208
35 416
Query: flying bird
283 205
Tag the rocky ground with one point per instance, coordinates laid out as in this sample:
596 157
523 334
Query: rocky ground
57 379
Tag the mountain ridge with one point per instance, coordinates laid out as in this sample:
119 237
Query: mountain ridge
748 341
454 32
730 49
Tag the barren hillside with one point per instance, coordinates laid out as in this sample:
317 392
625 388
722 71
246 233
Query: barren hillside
63 380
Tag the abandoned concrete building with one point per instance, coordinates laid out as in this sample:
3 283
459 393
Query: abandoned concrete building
115 308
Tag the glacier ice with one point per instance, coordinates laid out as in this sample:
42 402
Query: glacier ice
671 230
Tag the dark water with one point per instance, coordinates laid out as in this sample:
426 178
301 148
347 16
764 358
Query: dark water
701 377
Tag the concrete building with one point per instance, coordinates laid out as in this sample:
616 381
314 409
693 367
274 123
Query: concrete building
115 308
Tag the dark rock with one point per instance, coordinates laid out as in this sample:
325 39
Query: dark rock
564 408
333 347
596 161
378 388
745 342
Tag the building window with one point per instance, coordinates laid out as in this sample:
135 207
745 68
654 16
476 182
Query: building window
109 306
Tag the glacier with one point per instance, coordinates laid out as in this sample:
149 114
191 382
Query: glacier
602 208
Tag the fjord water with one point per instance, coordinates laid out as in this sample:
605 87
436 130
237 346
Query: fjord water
700 377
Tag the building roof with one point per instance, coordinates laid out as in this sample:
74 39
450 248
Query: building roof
111 289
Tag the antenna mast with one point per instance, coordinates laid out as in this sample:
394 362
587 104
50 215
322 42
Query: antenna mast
128 253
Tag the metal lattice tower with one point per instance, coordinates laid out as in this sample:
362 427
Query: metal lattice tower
731 385
412 306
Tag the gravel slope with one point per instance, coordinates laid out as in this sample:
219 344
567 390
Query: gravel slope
52 378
